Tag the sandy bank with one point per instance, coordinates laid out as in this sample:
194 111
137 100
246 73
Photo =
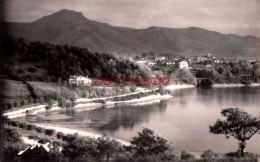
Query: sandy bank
88 104
178 86
21 112
235 85
28 141
79 132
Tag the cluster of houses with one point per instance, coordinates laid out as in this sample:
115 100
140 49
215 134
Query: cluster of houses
167 61
159 62
181 62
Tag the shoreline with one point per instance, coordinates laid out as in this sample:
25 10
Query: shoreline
83 103
90 106
217 85
79 132
235 85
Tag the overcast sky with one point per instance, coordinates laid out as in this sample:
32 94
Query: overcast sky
227 16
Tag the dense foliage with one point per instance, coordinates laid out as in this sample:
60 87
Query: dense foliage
233 72
182 76
148 143
61 61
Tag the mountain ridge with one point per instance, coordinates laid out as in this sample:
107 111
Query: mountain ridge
73 28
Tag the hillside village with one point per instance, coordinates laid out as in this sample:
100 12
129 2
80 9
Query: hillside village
192 63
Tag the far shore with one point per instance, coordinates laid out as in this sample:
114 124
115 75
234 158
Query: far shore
218 85
236 85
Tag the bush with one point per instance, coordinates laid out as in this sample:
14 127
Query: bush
73 103
68 104
209 154
9 122
5 120
39 129
30 127
31 69
237 154
103 101
60 135
15 123
15 104
62 102
22 125
133 88
49 132
49 105
73 97
43 140
30 100
245 82
206 83
20 71
33 137
23 102
69 137
186 156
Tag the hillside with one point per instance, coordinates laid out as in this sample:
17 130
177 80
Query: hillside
36 61
72 28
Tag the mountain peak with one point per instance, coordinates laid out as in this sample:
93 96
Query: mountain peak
65 16
67 11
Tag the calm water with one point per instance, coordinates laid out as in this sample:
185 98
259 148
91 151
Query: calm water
184 119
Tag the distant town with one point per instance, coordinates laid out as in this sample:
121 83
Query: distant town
193 63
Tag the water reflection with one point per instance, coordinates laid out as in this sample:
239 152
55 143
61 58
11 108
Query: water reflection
111 119
183 119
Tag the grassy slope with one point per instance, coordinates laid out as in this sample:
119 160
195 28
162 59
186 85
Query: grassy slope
12 90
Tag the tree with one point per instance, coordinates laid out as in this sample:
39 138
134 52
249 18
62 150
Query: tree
161 90
107 147
80 148
133 88
187 156
93 94
209 154
239 124
183 76
148 143
62 102
74 97
49 105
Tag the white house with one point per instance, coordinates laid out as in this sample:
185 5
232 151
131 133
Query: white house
160 58
140 61
150 63
79 80
183 65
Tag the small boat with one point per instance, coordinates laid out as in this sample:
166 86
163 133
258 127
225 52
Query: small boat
30 112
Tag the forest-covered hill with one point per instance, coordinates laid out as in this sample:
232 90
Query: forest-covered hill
48 62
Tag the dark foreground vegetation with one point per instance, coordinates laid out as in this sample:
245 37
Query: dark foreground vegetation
147 146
